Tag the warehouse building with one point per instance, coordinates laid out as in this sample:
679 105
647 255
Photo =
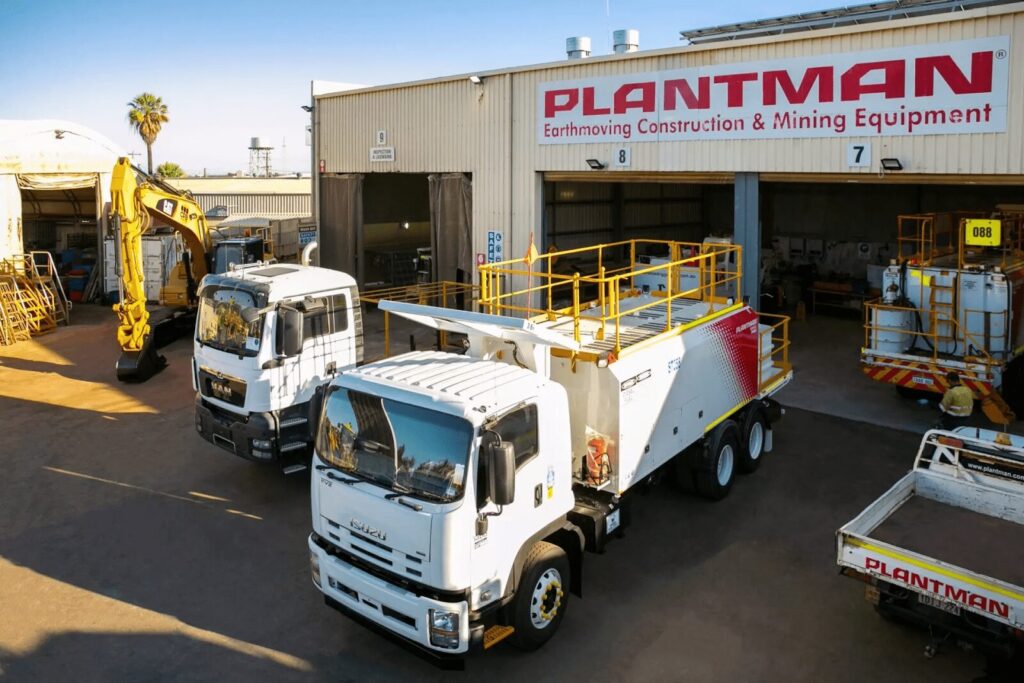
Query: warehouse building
801 138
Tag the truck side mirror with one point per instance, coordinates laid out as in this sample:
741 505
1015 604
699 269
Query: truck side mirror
289 331
501 472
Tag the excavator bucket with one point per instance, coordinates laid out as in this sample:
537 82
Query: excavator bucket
138 366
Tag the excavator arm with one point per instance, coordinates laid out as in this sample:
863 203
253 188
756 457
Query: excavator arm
134 205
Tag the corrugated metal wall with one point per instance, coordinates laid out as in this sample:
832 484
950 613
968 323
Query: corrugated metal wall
453 126
447 126
268 205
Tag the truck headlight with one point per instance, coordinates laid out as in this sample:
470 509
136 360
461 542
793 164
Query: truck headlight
444 628
314 566
263 444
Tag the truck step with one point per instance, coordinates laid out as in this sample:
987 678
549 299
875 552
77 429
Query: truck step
292 469
496 634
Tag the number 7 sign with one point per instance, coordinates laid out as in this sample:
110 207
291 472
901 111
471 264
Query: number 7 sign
858 154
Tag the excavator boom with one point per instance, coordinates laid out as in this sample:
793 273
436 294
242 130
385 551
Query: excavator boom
134 205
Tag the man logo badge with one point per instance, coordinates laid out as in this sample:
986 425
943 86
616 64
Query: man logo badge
367 529
221 390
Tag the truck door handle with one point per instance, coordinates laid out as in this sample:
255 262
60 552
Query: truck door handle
538 495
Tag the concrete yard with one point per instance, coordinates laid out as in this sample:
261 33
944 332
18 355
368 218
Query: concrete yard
130 549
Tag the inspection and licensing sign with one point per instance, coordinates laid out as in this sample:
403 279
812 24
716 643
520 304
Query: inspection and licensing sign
945 88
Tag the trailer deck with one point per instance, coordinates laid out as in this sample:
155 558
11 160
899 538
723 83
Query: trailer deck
958 536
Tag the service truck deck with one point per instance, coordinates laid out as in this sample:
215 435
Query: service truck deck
944 547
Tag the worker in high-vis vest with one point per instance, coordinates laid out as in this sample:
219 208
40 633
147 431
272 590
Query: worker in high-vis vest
957 403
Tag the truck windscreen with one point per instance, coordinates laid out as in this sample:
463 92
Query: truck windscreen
420 452
221 324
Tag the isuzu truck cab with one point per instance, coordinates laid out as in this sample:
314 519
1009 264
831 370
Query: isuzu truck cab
267 336
454 495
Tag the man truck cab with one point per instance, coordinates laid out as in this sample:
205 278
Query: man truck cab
266 337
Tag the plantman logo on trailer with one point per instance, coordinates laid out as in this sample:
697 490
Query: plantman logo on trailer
948 88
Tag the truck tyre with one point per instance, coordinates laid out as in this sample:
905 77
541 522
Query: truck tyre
542 597
753 439
714 477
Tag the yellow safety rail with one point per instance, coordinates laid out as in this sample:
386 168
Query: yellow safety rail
933 336
922 239
444 294
777 338
597 295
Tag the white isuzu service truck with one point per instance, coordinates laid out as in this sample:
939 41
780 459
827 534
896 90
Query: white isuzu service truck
944 547
267 336
454 494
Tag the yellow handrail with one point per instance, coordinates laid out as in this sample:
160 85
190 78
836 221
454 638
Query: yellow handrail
962 337
710 263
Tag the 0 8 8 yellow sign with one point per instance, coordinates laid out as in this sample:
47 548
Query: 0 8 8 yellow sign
983 232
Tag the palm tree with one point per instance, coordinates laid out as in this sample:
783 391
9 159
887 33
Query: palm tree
146 114
169 169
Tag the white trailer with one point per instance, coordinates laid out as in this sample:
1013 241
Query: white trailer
944 547
454 494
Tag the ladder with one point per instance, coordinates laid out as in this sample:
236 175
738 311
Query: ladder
14 325
942 299
44 276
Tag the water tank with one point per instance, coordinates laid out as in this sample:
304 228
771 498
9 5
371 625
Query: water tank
577 47
892 330
256 143
626 40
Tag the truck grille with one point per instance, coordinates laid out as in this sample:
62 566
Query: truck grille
221 387
373 551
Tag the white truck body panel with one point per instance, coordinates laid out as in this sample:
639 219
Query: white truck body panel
947 478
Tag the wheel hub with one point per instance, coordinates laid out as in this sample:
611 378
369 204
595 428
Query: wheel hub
725 461
546 599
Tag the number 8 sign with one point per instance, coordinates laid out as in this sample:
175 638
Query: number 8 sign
621 158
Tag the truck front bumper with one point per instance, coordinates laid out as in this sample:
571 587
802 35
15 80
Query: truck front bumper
280 437
391 610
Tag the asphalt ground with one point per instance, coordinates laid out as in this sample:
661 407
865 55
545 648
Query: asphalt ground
130 549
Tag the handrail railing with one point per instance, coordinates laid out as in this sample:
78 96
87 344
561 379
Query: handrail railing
777 337
597 296
933 335
444 294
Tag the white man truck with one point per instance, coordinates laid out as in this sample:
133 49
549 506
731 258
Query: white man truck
944 547
454 495
267 336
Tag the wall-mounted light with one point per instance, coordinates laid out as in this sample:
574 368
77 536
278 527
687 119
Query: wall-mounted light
404 225
475 80
595 165
891 164
306 108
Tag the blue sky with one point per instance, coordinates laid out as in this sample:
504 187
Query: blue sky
230 70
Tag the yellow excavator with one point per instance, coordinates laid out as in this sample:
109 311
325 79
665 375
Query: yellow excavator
137 200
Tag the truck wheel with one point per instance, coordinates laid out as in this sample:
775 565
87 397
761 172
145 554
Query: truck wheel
542 597
755 433
716 473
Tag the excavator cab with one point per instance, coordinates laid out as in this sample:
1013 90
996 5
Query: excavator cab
236 252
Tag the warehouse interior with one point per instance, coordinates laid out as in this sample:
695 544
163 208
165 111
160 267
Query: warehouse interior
396 227
824 244
63 222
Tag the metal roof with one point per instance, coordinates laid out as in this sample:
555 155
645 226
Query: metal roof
475 381
853 15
